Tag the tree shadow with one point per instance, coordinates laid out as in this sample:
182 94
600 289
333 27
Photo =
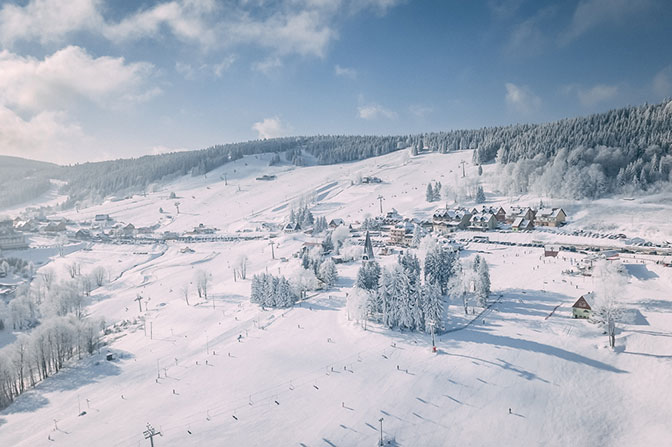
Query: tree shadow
481 336
88 370
640 271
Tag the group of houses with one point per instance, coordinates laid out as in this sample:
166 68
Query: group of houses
447 220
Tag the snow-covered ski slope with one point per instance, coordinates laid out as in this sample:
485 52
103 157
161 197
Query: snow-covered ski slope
309 376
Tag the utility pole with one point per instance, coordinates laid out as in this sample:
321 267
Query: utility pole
225 182
271 243
150 433
381 431
139 300
380 199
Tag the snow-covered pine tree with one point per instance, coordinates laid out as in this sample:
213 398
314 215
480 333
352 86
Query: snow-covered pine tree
403 291
433 306
388 298
480 195
429 194
368 275
437 191
417 236
328 273
483 283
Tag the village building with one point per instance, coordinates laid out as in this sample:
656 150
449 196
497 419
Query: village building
551 251
392 218
102 217
526 213
446 220
12 241
483 222
55 227
581 309
292 227
370 179
202 229
521 224
336 222
83 234
550 217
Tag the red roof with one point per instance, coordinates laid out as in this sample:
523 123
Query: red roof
581 303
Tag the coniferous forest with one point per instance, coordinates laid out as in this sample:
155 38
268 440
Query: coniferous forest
622 150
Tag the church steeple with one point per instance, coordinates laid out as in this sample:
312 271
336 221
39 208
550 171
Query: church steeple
368 249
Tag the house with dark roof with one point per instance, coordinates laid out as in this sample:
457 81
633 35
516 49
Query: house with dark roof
483 222
446 220
520 224
581 309
550 217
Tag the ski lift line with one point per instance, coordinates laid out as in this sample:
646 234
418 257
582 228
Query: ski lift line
244 407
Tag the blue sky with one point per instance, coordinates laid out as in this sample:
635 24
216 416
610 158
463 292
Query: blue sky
98 79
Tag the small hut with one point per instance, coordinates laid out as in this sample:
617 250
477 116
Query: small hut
581 309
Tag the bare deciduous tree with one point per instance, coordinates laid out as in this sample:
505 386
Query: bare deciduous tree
185 293
99 275
241 265
202 281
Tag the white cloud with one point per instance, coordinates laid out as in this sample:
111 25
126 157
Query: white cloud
589 97
305 33
521 98
270 128
224 65
268 65
662 83
186 20
70 75
345 72
375 111
592 13
420 111
48 20
597 94
527 37
191 73
47 136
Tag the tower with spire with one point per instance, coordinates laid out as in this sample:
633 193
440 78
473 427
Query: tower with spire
368 249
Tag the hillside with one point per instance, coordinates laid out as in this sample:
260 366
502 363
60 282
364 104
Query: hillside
627 150
226 371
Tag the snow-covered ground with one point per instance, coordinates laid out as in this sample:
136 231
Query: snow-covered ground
309 376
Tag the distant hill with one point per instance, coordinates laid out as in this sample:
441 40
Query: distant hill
22 180
622 149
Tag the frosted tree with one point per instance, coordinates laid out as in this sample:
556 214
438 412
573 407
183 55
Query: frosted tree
241 266
357 304
185 293
202 279
607 309
99 275
458 287
480 195
368 275
388 296
439 263
480 170
437 191
433 306
417 236
339 235
328 273
482 282
429 194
